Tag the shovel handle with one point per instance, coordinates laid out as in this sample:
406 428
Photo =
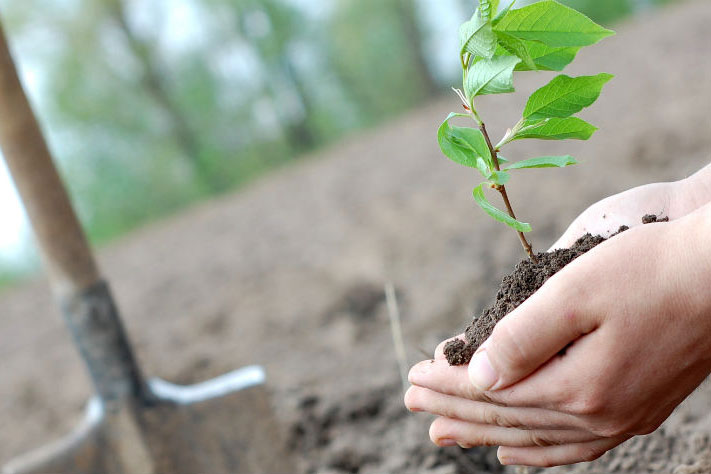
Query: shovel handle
86 300
64 246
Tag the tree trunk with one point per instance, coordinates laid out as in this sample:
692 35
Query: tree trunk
300 133
152 82
415 38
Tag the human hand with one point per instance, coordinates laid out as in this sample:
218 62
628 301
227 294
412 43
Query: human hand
625 209
672 200
634 318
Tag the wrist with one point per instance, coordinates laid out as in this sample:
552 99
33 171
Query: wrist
692 264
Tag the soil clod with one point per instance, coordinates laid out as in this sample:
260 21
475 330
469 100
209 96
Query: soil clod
652 218
527 278
458 352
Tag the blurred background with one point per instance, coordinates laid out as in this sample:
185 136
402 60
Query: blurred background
150 107
253 172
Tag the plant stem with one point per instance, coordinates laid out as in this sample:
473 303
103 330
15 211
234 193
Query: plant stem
502 189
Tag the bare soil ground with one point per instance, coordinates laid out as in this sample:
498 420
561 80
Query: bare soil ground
289 273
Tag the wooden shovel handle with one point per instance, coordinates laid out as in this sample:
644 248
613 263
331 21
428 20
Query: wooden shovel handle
64 246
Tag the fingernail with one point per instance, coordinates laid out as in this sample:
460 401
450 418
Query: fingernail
445 443
508 461
481 372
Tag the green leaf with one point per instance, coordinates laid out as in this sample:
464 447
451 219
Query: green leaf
498 214
502 14
517 47
483 168
488 8
496 177
544 162
477 37
490 76
552 24
499 177
565 96
548 58
462 145
544 58
473 140
571 128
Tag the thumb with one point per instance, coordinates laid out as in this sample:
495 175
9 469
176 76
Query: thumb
531 335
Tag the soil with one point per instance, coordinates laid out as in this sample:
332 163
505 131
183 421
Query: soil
526 278
290 273
651 218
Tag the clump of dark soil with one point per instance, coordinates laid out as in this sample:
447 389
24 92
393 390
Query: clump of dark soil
459 352
651 218
527 278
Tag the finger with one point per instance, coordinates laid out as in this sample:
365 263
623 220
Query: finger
557 455
441 377
606 216
534 392
569 237
536 331
445 430
439 351
422 399
592 223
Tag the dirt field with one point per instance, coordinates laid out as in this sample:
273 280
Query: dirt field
289 273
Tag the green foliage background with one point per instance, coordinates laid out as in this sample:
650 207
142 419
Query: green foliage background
607 12
143 125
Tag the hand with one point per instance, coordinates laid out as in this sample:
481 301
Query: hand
634 318
627 208
672 200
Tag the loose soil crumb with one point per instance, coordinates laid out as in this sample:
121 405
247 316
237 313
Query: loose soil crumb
651 218
527 278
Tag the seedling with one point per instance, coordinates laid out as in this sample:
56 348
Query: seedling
543 36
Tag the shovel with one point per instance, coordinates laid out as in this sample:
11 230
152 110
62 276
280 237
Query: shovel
132 424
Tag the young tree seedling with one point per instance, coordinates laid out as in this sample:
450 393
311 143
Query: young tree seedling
543 36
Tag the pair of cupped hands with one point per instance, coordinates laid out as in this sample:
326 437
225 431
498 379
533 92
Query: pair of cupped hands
634 315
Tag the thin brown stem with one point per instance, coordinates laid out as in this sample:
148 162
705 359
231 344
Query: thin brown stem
502 189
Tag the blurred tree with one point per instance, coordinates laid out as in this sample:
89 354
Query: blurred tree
7 278
147 117
121 153
415 38
271 27
375 59
603 11
151 79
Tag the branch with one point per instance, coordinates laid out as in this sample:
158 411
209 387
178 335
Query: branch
502 189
